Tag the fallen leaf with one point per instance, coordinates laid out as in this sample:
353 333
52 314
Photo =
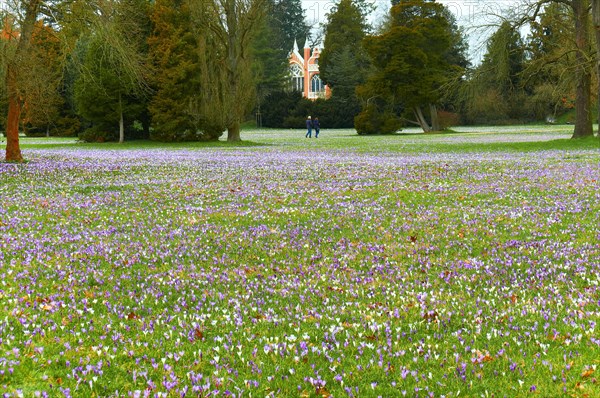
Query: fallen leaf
430 316
323 392
587 373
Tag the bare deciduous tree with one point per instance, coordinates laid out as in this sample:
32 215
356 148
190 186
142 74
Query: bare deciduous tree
114 29
596 23
18 28
226 55
581 14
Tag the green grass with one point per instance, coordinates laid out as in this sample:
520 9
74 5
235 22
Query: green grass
522 139
127 145
461 264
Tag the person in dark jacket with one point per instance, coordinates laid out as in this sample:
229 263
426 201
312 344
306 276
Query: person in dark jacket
309 126
317 127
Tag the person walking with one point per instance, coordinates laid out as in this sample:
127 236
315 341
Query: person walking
317 127
309 126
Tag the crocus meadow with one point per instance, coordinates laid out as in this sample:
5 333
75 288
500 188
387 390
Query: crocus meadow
301 268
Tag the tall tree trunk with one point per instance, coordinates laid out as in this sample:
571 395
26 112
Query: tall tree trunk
583 119
421 119
233 132
13 150
121 122
596 20
435 120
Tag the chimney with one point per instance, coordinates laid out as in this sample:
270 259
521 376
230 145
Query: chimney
306 70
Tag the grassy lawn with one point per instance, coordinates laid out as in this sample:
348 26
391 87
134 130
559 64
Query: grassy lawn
462 264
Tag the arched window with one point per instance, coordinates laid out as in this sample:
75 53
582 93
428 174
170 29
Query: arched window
297 77
316 84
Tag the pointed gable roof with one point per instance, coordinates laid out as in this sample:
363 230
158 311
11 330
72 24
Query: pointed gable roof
296 53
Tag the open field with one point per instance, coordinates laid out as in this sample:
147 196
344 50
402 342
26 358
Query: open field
414 265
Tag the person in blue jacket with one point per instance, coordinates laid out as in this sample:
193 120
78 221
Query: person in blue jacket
317 127
309 126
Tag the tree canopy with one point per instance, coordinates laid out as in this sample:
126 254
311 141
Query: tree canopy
345 29
411 59
190 70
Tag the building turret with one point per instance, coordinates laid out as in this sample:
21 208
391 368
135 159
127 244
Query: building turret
305 72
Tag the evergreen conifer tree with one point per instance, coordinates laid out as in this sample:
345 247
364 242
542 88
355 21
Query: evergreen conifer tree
412 61
176 74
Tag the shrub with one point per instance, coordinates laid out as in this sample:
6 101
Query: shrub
63 126
289 110
66 126
448 119
98 134
280 106
374 121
